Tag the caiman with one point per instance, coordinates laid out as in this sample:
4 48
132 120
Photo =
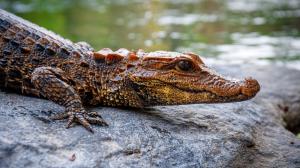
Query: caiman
37 62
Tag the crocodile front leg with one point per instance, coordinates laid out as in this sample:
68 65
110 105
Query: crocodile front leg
54 86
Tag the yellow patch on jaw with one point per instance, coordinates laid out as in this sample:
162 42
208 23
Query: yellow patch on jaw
166 90
186 96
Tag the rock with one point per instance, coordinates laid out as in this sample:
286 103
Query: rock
244 134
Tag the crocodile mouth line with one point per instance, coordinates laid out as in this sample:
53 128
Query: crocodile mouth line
212 95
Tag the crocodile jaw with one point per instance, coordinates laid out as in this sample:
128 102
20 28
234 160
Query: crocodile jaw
170 94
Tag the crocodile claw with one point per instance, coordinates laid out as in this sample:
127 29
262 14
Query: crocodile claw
82 118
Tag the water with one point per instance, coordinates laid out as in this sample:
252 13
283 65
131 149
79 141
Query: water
223 31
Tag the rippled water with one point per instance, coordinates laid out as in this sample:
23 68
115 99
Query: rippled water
224 31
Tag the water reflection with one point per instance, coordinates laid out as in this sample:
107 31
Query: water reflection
233 31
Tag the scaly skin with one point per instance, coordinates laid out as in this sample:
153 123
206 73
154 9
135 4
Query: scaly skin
34 61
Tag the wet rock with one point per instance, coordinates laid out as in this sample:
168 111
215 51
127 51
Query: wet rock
248 134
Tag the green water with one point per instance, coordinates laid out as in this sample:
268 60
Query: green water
237 31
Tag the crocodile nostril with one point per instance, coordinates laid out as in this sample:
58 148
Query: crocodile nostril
250 87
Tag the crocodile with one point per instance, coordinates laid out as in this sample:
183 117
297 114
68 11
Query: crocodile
37 62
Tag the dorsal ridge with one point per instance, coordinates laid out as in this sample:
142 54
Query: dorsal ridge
110 57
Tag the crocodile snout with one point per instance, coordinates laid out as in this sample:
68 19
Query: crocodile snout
250 87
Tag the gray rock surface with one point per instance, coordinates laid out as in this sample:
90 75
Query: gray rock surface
244 134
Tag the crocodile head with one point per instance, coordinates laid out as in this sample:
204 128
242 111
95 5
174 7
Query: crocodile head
169 78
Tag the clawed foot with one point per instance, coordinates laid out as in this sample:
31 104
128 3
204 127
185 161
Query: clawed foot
82 117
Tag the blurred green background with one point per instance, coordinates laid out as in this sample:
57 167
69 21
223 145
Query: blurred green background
231 31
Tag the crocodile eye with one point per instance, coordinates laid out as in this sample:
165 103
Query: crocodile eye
184 65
